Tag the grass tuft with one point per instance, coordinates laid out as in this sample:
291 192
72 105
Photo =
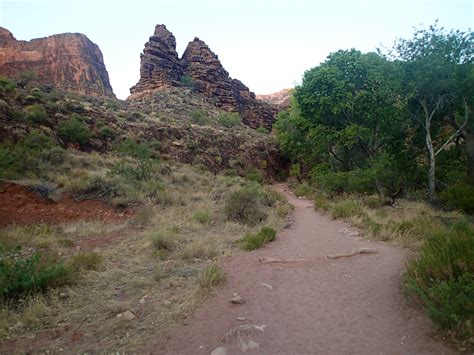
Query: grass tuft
255 241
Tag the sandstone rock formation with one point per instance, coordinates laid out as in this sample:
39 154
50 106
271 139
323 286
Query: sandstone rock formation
199 67
69 61
280 99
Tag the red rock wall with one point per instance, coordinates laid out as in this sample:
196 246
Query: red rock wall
68 61
161 68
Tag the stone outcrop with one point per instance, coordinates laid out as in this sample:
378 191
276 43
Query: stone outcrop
280 99
69 61
200 68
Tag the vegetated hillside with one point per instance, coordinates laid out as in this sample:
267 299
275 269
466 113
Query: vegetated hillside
109 235
180 125
397 126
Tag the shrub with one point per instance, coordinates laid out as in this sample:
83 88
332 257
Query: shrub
229 119
6 85
74 131
35 273
321 202
162 241
374 202
202 216
346 209
187 81
255 241
107 133
142 156
262 130
200 118
210 277
303 190
36 114
244 205
254 175
86 261
459 196
443 278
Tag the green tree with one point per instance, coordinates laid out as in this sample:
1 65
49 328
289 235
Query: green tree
435 65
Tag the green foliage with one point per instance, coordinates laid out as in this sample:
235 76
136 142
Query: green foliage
107 133
245 205
36 114
34 273
200 118
443 278
303 190
254 175
255 241
74 131
262 130
187 81
321 202
229 119
142 156
6 85
459 196
31 155
202 216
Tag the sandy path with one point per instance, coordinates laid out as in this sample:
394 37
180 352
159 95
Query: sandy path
349 305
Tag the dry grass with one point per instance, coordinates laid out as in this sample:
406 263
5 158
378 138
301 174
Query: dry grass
160 271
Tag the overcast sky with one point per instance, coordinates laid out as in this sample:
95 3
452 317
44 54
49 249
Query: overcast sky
267 44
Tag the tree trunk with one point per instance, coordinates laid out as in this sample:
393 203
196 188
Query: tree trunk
432 160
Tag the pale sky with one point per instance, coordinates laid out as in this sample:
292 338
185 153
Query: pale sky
267 44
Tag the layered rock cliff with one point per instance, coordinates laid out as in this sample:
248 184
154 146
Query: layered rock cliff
200 68
281 99
68 61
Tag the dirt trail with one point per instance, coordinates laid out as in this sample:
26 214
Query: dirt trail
314 305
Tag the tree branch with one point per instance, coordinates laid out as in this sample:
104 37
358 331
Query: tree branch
457 132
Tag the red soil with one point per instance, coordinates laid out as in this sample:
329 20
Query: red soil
20 205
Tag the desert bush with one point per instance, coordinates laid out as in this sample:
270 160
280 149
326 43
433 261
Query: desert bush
262 130
142 156
303 190
107 133
162 241
34 273
210 277
346 209
229 119
443 278
74 131
200 118
202 216
254 175
31 155
187 81
6 85
321 202
36 114
255 241
244 205
459 196
86 261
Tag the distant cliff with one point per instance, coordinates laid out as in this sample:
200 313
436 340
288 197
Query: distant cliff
69 61
201 69
280 99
